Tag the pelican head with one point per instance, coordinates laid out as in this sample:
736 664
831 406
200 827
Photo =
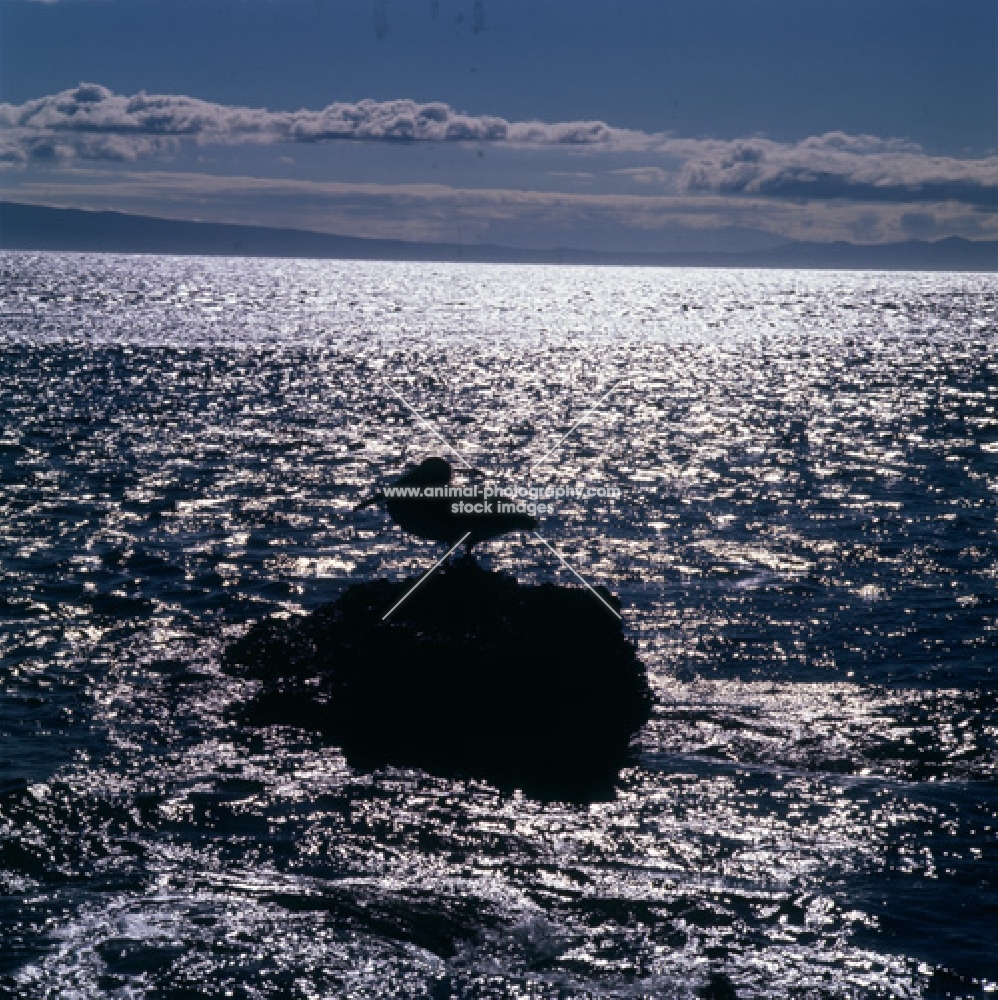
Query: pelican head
429 472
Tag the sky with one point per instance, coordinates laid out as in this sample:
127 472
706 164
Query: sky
646 125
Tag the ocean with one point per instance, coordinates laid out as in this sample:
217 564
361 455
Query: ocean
799 475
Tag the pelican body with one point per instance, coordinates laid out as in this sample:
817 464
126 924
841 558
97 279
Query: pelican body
434 518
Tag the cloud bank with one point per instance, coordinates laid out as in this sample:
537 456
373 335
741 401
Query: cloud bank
508 216
835 165
92 122
831 186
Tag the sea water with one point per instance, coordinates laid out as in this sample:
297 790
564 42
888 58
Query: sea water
799 511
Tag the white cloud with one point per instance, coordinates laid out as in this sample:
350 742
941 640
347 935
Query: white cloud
833 166
91 123
63 125
645 175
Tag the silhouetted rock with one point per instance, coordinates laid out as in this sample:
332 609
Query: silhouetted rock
474 675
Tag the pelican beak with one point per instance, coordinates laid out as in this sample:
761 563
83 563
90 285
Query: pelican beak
372 499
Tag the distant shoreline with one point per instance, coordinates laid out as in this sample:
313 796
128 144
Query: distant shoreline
39 227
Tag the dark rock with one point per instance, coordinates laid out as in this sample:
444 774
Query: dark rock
718 987
473 676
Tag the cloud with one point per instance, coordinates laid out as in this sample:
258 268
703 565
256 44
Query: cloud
91 123
65 125
502 215
836 166
919 224
644 175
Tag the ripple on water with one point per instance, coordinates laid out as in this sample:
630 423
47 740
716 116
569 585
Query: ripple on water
804 545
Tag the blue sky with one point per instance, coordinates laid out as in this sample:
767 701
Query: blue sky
616 125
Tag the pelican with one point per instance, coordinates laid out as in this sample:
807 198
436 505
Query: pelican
433 518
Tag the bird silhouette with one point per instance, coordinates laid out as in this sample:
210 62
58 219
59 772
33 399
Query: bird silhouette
433 518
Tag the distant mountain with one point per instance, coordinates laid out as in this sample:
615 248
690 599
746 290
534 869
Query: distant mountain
34 227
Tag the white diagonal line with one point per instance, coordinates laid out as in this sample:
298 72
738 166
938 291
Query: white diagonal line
561 440
572 570
426 575
428 425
